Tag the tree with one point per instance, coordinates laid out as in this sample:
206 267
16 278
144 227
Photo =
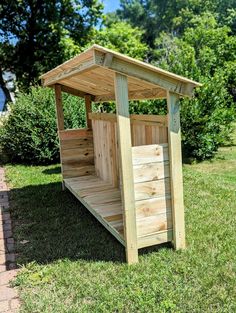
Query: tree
36 31
172 16
122 37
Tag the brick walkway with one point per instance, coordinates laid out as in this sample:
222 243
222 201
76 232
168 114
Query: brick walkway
9 301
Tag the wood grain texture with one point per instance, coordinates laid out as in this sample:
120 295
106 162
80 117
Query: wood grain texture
154 223
155 238
151 171
153 206
176 170
88 109
105 150
152 189
102 200
126 167
59 108
150 154
77 152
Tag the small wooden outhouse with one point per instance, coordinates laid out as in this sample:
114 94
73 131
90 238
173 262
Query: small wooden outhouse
125 169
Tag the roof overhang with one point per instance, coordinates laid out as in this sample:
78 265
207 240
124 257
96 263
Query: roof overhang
92 72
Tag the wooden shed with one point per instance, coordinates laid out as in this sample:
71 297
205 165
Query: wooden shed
125 169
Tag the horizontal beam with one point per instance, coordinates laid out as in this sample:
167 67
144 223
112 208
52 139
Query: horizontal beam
155 93
67 73
75 92
143 73
134 118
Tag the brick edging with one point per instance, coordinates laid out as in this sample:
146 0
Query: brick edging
9 301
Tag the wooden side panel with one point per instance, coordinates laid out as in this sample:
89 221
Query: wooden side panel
77 152
105 150
151 170
148 129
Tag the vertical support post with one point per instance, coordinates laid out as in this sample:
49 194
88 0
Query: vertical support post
175 156
60 118
126 167
88 109
59 108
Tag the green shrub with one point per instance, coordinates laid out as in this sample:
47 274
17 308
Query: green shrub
207 119
29 134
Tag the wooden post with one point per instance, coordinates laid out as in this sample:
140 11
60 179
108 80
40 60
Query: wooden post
175 156
60 119
59 108
88 109
126 167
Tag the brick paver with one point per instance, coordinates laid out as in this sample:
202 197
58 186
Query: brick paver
9 301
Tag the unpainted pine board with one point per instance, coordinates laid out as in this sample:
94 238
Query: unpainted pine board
78 171
88 109
155 134
113 156
113 209
150 154
152 224
152 189
104 197
83 181
70 164
96 190
77 152
176 170
76 143
59 108
126 167
106 224
153 206
75 133
151 171
115 218
161 119
103 116
155 239
148 135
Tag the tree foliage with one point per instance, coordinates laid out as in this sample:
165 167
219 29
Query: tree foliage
38 33
29 134
122 37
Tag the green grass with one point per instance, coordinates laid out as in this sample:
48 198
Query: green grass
70 263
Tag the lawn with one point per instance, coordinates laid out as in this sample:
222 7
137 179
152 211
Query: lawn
72 264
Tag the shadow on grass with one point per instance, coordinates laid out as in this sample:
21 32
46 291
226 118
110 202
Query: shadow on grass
50 171
50 224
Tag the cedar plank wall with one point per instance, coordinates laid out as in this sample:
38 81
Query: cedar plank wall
77 152
150 165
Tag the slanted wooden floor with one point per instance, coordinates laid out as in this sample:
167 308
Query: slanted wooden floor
101 199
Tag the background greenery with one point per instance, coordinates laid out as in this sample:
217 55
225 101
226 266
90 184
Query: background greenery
192 38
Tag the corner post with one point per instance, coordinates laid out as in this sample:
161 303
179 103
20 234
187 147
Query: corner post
60 119
88 109
175 156
126 167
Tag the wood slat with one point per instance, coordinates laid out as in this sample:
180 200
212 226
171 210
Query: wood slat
151 171
153 224
152 189
155 239
99 202
150 154
75 133
76 143
78 171
153 206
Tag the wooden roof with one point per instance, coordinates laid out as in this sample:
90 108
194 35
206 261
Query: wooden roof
92 72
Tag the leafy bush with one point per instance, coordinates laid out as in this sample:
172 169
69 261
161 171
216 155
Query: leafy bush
206 120
29 134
